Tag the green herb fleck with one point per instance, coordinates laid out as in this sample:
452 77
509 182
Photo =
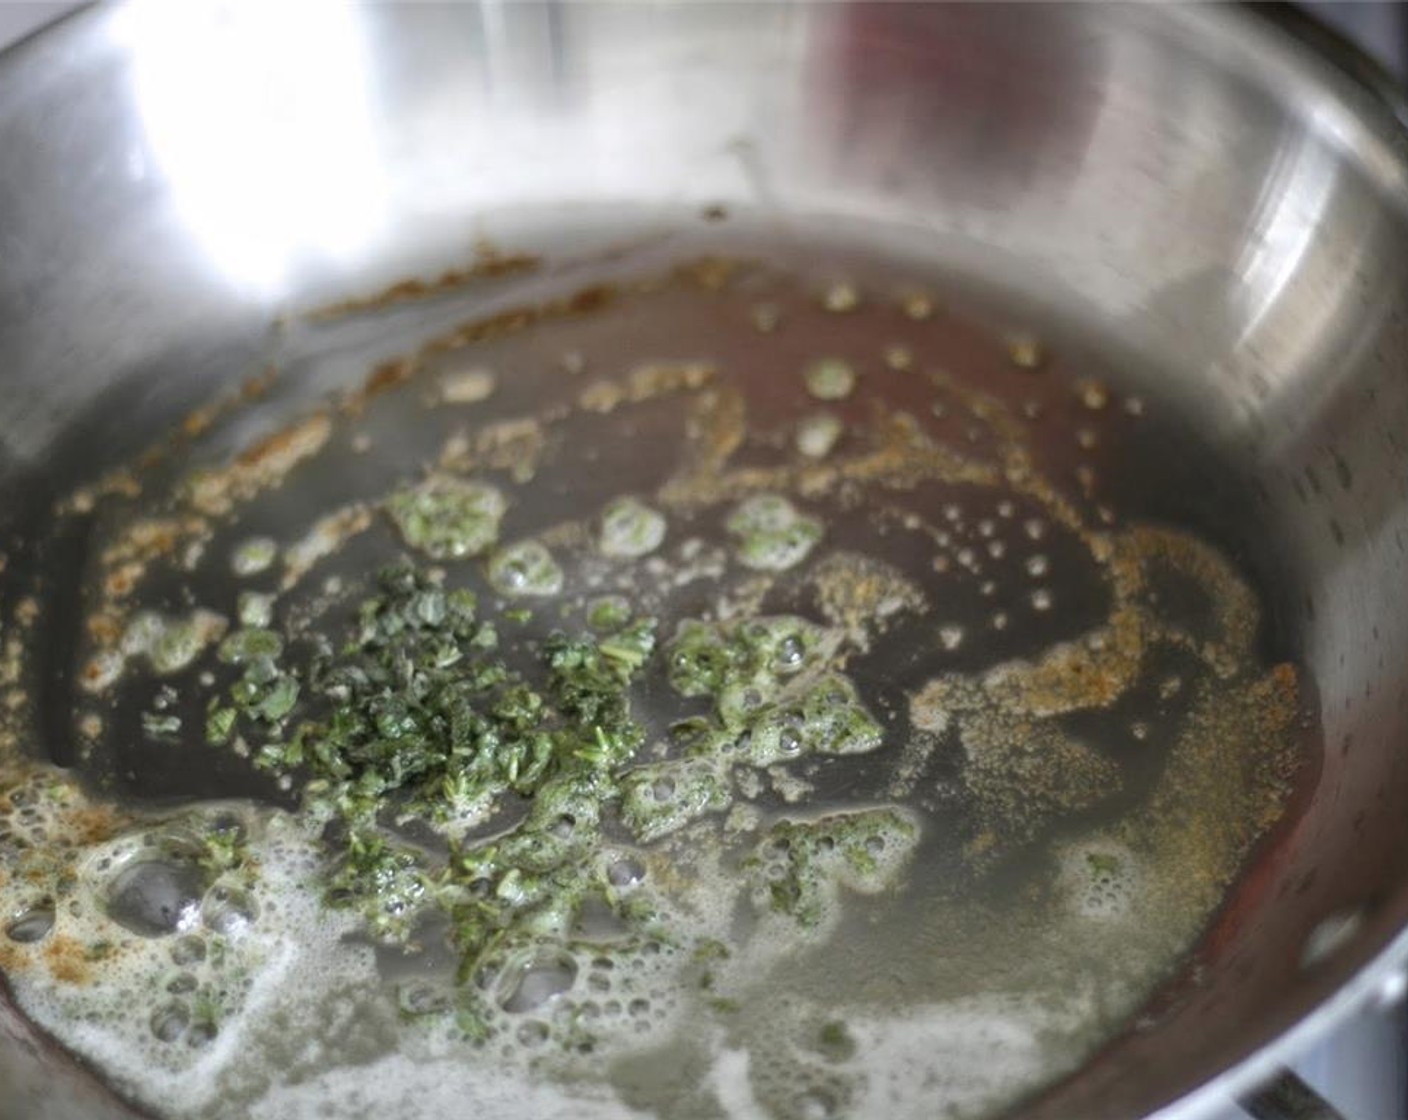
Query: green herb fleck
417 718
219 724
610 612
244 646
834 1042
225 848
99 950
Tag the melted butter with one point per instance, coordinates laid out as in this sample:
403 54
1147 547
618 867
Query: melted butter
760 866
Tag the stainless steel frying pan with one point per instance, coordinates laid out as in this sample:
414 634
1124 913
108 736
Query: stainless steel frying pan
1201 188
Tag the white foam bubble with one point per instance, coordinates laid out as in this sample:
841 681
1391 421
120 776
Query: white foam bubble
169 1017
962 1057
400 1088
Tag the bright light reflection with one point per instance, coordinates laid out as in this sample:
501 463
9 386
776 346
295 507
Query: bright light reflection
258 117
1288 217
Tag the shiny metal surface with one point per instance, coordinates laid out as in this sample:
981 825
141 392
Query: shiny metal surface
1204 193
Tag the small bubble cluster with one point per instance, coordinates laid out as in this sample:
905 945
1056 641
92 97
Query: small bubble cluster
1099 879
169 643
771 534
630 528
161 935
527 568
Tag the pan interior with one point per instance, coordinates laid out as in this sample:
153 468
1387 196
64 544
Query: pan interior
1021 705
